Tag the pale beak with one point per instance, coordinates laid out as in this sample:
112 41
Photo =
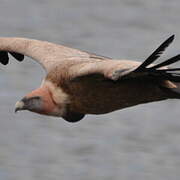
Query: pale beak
19 106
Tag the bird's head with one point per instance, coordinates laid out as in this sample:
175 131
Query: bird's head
39 101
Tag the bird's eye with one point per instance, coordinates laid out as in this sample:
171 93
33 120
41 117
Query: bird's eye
25 100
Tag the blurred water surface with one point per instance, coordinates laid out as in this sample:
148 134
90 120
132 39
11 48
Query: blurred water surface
136 143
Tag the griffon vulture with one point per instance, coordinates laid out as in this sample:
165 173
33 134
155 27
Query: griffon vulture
79 83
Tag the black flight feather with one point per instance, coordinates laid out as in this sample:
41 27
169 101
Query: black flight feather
17 56
4 59
167 62
156 54
167 70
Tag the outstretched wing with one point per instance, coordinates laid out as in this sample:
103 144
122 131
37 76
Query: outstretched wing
118 70
49 55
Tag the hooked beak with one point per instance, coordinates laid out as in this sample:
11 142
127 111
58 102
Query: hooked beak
19 106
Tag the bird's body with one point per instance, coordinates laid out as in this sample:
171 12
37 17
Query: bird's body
103 96
79 83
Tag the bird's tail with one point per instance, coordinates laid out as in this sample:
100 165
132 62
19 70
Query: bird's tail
169 76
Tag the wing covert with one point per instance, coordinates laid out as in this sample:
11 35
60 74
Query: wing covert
49 55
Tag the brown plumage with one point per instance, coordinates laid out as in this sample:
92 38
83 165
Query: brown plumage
79 83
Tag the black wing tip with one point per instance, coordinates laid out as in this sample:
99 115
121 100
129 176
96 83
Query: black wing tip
17 56
178 56
156 54
171 38
4 62
4 58
167 62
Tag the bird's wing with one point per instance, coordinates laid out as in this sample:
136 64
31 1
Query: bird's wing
47 54
124 69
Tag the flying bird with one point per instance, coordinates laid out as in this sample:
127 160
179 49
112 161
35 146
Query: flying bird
79 83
